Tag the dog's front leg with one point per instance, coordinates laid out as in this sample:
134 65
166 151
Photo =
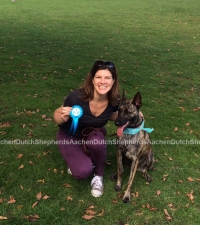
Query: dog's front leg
120 170
127 194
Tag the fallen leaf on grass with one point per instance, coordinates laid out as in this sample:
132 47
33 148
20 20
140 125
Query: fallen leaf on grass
158 192
190 196
90 212
39 195
3 218
44 117
168 217
190 179
183 109
32 218
87 217
3 133
114 201
6 124
42 181
21 167
45 197
180 181
28 112
187 205
1 200
48 119
34 204
69 198
165 177
196 109
138 213
30 134
19 156
12 200
101 213
176 129
171 206
67 185
108 163
31 163
151 208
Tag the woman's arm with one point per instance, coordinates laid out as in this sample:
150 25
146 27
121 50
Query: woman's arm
114 116
61 115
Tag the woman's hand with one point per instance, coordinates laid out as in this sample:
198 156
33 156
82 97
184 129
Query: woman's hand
61 115
64 114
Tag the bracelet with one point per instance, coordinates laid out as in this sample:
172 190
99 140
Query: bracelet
61 120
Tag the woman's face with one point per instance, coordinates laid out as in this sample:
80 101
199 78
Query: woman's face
103 81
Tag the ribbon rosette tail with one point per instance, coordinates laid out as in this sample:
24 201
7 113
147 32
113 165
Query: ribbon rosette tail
75 114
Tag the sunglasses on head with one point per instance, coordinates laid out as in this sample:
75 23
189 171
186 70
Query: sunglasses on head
107 64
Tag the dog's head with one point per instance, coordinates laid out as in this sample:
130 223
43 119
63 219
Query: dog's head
128 113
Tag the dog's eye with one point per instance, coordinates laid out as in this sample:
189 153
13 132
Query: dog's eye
127 111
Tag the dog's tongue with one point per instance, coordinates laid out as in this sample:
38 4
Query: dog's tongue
120 130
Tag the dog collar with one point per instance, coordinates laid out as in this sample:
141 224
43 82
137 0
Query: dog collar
136 130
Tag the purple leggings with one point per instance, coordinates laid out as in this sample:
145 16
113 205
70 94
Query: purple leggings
81 164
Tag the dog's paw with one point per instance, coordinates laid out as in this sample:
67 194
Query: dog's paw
118 187
148 178
126 199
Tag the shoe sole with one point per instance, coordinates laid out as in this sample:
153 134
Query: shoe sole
95 195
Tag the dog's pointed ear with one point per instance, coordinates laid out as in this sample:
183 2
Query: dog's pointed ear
137 100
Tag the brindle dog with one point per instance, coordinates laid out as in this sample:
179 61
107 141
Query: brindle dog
136 148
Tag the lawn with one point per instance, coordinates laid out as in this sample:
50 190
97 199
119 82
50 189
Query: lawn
46 50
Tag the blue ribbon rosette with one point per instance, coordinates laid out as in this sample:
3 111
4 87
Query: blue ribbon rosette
75 114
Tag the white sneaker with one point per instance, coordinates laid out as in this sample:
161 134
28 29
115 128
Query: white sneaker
97 186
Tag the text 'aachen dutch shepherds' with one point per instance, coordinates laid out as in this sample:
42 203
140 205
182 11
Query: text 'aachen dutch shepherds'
133 143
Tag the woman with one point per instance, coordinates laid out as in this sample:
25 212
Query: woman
84 148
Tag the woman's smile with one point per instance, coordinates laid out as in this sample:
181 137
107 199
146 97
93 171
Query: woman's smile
103 81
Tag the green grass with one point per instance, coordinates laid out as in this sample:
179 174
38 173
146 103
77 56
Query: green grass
46 50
